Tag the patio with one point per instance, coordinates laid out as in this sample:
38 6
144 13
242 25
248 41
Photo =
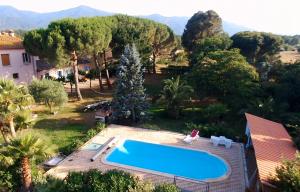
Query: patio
235 182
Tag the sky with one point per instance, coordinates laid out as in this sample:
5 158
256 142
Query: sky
277 16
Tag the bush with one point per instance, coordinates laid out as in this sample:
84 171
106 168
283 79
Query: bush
215 112
51 184
95 181
166 188
288 175
75 181
51 93
116 181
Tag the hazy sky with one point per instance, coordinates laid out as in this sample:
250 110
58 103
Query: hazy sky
277 16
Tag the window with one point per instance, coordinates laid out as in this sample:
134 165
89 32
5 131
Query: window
16 75
26 58
5 59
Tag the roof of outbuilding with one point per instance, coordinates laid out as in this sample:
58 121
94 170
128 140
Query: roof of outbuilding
10 42
272 144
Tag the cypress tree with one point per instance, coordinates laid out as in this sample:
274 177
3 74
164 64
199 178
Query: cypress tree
130 100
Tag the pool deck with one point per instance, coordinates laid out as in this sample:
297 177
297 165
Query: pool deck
235 182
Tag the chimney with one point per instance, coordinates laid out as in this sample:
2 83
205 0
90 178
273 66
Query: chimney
11 33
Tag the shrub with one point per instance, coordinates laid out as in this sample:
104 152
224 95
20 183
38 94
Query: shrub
75 181
288 175
215 112
116 181
166 188
51 93
95 181
51 184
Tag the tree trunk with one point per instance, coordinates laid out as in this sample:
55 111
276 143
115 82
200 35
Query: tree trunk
12 127
98 67
71 85
6 139
76 75
154 62
106 71
90 82
26 175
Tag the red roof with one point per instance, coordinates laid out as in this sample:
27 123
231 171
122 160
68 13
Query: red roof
271 143
10 42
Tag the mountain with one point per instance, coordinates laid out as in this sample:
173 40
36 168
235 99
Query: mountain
12 18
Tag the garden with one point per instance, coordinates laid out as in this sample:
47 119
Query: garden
208 88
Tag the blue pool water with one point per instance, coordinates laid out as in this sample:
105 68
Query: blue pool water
177 161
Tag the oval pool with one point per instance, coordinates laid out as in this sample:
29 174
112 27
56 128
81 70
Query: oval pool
170 160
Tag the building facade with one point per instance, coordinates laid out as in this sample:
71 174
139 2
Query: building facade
15 63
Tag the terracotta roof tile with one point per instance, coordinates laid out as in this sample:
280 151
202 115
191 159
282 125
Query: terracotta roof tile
271 143
10 42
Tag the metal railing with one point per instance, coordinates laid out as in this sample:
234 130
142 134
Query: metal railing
191 185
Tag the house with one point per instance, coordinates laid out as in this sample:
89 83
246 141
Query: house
15 63
44 69
270 144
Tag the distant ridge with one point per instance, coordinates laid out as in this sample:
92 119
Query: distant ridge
12 18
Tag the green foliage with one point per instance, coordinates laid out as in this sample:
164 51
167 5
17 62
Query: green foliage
95 181
257 46
227 76
116 180
51 93
173 95
50 185
14 99
129 101
200 26
288 175
287 87
10 177
75 181
166 188
24 120
208 44
215 112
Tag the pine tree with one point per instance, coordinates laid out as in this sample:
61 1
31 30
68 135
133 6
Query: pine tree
130 100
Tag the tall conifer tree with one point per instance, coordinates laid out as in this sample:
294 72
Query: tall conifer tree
130 100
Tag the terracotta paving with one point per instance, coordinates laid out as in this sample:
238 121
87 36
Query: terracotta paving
235 182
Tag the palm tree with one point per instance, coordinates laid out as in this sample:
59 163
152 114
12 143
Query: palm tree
13 99
24 149
173 94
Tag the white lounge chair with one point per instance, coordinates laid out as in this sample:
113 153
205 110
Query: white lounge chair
215 140
221 141
194 135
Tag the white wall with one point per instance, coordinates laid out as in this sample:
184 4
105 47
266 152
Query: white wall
26 71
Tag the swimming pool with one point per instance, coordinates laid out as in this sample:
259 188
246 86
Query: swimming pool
168 160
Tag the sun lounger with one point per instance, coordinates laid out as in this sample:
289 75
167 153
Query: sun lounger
215 140
194 135
221 141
